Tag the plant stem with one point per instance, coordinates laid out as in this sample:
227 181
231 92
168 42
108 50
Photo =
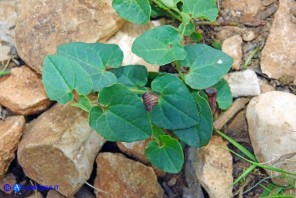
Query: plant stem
178 67
3 73
248 61
137 91
168 10
216 23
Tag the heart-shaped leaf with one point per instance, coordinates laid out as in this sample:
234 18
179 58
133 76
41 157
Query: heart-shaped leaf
206 65
171 3
199 135
224 97
95 58
160 45
176 108
204 9
166 155
122 116
61 76
133 10
131 75
84 103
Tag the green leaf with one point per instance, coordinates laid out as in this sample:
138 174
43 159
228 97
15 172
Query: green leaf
83 103
224 97
122 116
160 45
170 3
131 75
196 36
176 108
136 11
158 12
204 9
217 45
95 58
199 135
157 132
167 156
61 76
186 29
206 65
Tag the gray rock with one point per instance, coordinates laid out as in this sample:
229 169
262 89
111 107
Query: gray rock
243 83
118 176
272 129
11 130
43 25
279 54
7 23
59 148
213 168
233 47
22 92
246 7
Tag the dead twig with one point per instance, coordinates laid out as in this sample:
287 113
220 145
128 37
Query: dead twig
238 105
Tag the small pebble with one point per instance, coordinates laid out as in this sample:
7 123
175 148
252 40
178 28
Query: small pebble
172 181
248 35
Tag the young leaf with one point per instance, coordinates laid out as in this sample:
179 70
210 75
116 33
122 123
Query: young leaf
131 75
160 45
196 36
133 10
186 29
95 58
206 65
176 108
170 3
61 76
224 97
83 103
167 156
204 9
199 135
123 116
157 132
217 45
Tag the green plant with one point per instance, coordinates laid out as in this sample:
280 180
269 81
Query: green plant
134 104
4 73
272 190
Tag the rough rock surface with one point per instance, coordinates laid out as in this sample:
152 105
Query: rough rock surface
243 83
213 168
265 87
59 148
49 23
7 179
11 130
118 176
135 149
279 54
22 92
233 47
272 129
246 7
125 38
7 23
